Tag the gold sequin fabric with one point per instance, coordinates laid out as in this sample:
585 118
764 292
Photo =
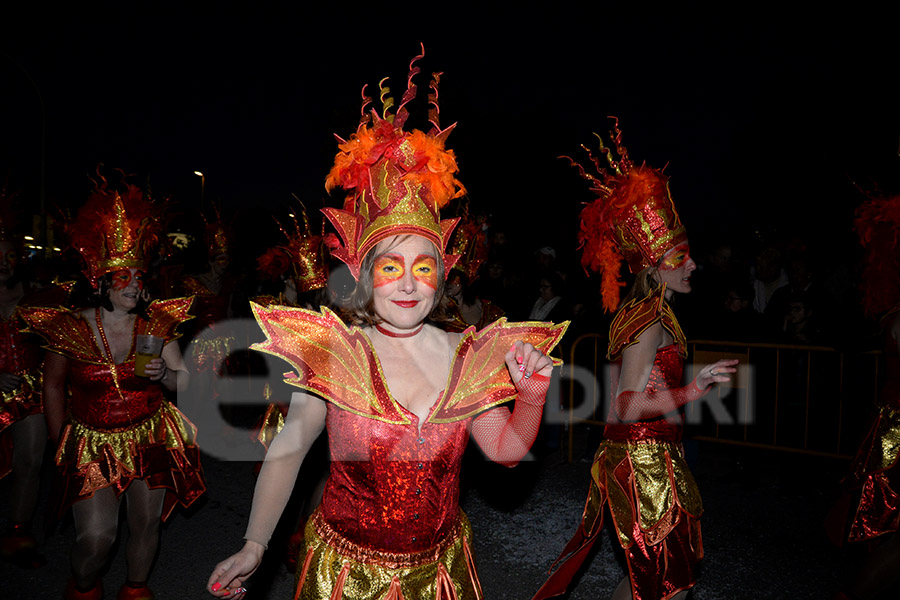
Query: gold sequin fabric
874 480
647 481
23 401
270 425
331 566
161 450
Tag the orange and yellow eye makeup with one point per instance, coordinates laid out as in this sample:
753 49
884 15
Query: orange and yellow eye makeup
675 258
122 279
391 267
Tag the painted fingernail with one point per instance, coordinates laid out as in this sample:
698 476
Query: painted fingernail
521 368
215 587
512 348
527 375
520 359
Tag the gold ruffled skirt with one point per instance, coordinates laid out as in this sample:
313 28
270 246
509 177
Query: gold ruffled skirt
332 566
160 450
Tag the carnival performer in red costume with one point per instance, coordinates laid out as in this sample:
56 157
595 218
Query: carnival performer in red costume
869 508
118 437
639 473
462 307
301 265
23 435
399 397
210 344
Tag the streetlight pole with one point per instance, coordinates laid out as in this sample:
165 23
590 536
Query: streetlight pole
202 188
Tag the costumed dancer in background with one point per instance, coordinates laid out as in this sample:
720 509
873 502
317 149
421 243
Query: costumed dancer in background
639 472
212 291
461 305
398 397
23 434
117 435
301 266
869 507
209 339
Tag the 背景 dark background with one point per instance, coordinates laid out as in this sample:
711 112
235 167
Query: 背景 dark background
767 115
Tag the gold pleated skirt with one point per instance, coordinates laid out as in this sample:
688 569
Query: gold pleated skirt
334 567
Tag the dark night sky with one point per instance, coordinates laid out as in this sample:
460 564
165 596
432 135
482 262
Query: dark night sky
764 116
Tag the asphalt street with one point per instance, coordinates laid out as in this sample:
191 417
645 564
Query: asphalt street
762 530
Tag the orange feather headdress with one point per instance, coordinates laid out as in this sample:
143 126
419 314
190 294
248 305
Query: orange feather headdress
633 218
397 181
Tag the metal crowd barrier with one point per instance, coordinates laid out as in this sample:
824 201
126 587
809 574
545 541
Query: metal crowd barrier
807 399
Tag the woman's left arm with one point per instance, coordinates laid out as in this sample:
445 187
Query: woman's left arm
504 436
169 369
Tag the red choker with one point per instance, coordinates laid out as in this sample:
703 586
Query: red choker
389 333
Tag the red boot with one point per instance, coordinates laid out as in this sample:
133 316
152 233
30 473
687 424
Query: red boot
73 593
129 592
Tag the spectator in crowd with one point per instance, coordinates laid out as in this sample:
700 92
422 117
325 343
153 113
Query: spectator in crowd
768 276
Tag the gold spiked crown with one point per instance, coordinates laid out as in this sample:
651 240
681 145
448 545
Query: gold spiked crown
304 252
114 230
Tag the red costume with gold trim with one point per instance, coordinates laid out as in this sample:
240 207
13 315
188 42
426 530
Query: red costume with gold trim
869 506
390 525
21 354
639 473
119 426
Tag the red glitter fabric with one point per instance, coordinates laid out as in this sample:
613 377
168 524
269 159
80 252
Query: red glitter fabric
394 482
661 556
392 487
21 354
869 505
120 427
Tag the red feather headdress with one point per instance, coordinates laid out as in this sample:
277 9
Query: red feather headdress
633 218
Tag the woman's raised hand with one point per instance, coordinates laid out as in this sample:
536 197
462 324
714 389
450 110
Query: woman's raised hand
716 372
524 360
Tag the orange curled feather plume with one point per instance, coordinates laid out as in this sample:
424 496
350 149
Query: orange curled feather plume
877 224
633 218
397 181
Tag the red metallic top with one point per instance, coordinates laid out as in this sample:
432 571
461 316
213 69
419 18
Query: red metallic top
668 367
393 488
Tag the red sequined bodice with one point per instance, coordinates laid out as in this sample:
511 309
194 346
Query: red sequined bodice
392 488
667 371
104 395
103 401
